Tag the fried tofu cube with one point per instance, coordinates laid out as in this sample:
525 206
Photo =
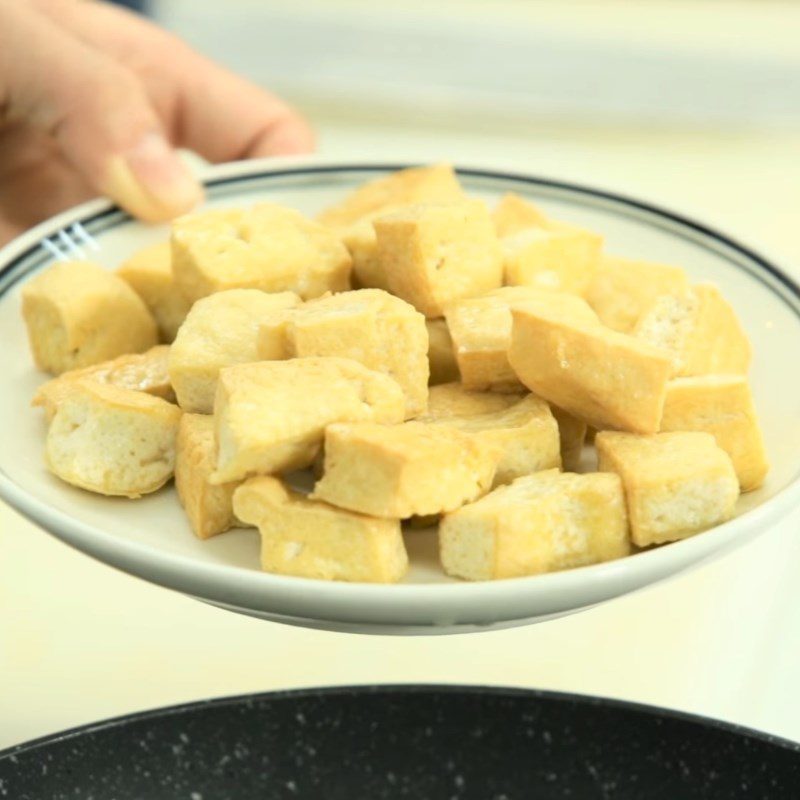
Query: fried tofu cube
310 539
676 484
362 244
266 247
622 288
540 523
112 441
271 415
543 252
149 274
721 405
79 314
434 254
432 184
442 363
382 332
455 400
699 329
209 507
481 331
220 330
513 214
560 256
572 436
142 372
526 434
400 471
603 377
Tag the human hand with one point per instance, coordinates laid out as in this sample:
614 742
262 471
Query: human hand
93 99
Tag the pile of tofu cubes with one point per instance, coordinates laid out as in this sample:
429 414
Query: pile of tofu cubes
459 383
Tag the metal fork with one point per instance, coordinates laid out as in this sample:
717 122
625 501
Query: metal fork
70 244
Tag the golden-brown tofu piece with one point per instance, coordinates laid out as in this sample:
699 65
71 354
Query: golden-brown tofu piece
220 330
513 214
209 507
560 256
112 441
382 332
362 244
526 434
265 247
271 415
79 314
142 372
603 377
699 329
441 357
543 252
455 400
622 288
400 471
149 273
540 523
480 328
721 405
431 184
434 254
676 484
310 539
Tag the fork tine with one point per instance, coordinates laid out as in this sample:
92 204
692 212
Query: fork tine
73 249
54 250
80 233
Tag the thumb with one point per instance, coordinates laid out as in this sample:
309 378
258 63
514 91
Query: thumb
96 111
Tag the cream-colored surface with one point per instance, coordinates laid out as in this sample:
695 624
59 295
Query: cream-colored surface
80 641
266 247
220 330
310 539
149 274
270 416
371 326
142 372
433 254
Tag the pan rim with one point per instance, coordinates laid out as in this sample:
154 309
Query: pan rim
585 700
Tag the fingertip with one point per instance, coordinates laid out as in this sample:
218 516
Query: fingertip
151 181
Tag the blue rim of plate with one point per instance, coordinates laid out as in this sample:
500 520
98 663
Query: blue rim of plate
736 253
585 700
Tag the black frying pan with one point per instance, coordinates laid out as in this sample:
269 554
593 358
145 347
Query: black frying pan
424 743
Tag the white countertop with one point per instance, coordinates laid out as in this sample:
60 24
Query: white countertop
80 641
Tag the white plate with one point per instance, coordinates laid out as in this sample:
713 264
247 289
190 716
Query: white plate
150 537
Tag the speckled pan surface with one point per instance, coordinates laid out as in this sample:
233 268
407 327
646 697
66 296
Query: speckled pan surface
150 537
425 743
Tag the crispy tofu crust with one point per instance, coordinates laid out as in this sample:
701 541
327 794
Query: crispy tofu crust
142 372
311 539
435 254
721 405
400 471
676 484
271 416
149 273
382 332
208 507
79 314
540 523
603 377
112 441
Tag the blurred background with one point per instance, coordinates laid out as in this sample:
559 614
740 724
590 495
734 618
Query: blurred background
695 104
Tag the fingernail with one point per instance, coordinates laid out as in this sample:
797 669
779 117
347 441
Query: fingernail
151 181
